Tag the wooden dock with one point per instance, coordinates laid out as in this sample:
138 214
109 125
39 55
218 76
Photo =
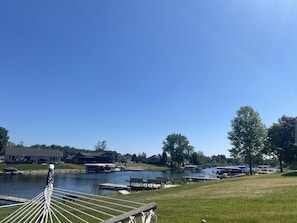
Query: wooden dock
199 178
110 186
141 184
134 184
13 199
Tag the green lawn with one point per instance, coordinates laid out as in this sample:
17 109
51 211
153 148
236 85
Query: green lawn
253 199
146 166
25 167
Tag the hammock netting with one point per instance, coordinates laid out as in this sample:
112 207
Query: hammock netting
61 205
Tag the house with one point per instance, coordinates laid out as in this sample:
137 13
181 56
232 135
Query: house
32 155
68 159
155 159
92 157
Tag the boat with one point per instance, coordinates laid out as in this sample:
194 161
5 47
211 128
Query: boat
11 171
192 168
229 172
265 169
116 169
99 167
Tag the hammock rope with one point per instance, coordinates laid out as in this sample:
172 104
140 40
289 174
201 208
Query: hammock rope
60 205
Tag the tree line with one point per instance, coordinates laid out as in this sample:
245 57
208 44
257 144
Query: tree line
197 158
251 143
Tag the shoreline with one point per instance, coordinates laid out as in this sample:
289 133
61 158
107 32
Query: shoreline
44 172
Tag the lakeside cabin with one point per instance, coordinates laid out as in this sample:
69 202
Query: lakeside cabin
32 155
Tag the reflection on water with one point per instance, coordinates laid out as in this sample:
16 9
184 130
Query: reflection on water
28 186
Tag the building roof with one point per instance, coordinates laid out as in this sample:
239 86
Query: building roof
23 151
90 154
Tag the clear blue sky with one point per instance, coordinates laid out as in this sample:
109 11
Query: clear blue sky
132 72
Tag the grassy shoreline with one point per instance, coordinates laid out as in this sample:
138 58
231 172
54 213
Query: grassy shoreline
74 168
252 199
269 198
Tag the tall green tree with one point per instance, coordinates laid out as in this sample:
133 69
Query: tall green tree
164 158
281 139
177 147
219 159
101 146
3 139
247 136
198 158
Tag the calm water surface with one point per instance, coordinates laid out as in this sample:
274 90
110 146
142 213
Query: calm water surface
28 186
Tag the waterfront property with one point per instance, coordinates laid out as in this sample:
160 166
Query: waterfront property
32 155
92 157
61 205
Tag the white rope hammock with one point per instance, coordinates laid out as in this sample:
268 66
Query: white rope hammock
61 205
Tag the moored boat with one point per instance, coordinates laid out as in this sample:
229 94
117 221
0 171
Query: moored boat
192 168
11 171
99 167
265 169
230 172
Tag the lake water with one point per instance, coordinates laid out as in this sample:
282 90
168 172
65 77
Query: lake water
28 186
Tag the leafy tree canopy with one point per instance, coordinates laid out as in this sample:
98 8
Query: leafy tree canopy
3 139
101 146
280 141
247 135
178 148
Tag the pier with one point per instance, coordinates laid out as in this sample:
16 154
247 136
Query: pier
134 184
110 186
149 184
13 199
199 178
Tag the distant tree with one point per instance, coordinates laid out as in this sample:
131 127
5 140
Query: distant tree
21 144
195 159
67 150
177 147
200 159
236 161
56 147
219 159
281 139
141 157
3 139
101 146
41 146
164 158
115 156
126 158
134 158
247 136
10 144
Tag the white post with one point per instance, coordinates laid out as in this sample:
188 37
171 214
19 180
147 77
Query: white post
47 193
